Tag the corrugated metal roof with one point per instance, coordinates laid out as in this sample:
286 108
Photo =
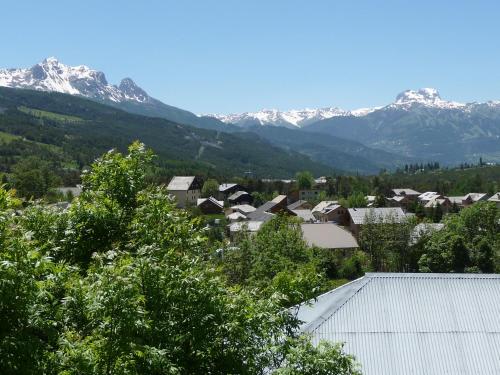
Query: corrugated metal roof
379 214
413 323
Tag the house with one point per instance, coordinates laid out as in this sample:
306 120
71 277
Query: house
240 197
328 236
495 198
427 196
299 205
279 203
399 201
320 181
243 226
440 201
406 192
309 194
361 216
185 189
326 211
236 216
227 189
472 198
210 205
245 209
407 323
305 215
456 201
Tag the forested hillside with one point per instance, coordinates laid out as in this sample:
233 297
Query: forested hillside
70 132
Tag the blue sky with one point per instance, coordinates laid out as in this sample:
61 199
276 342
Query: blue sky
232 56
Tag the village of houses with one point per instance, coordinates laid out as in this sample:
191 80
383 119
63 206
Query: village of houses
327 224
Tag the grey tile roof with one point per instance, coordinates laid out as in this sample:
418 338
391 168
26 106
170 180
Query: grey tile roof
243 208
236 195
211 199
380 214
305 215
180 183
495 198
224 187
323 204
475 197
405 192
294 205
397 324
328 236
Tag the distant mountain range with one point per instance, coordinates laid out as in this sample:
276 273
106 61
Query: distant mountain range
52 75
418 126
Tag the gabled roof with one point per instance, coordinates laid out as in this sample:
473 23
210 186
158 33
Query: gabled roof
296 204
379 214
476 197
495 198
180 183
243 208
405 191
224 187
305 215
279 198
456 199
328 236
396 323
212 200
427 195
236 195
323 204
260 215
434 202
236 216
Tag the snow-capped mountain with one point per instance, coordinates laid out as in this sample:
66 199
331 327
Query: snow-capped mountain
420 124
427 97
52 75
292 118
407 100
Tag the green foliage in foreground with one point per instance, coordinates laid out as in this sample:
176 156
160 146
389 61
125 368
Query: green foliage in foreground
119 284
470 242
277 258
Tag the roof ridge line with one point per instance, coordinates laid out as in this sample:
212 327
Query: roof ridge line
315 324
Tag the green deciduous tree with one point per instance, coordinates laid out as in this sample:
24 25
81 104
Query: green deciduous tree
120 284
210 188
305 180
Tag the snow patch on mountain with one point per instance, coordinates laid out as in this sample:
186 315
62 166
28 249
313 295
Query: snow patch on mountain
428 97
407 100
292 118
52 75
